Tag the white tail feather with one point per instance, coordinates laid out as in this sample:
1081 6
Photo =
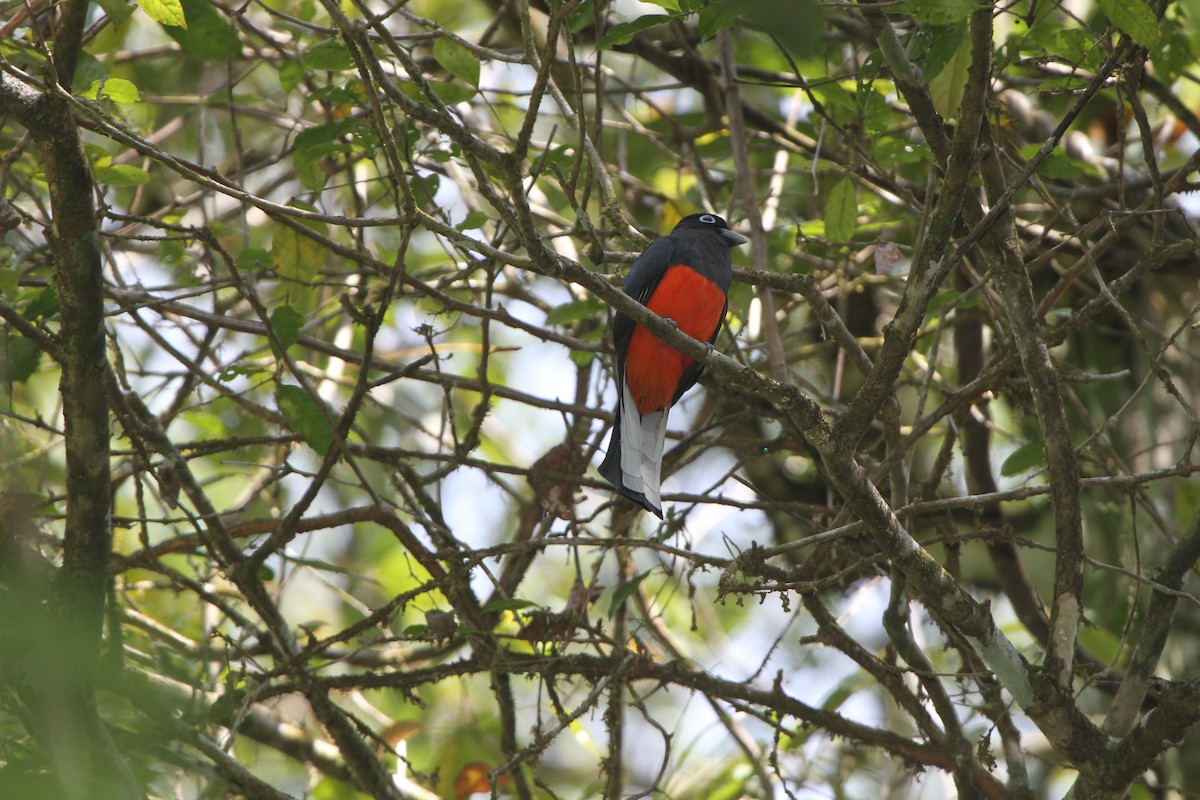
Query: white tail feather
641 448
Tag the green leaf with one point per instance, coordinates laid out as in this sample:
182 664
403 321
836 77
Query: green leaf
1139 792
117 11
473 220
298 258
324 133
715 17
946 90
316 563
291 73
624 590
841 211
849 686
43 306
941 12
1025 457
347 136
449 93
457 60
207 34
165 12
1101 643
10 281
1059 166
840 103
240 371
509 604
304 416
286 322
944 44
939 301
895 152
1077 46
295 256
118 90
574 311
876 111
1133 17
121 175
254 258
623 32
88 68
1172 56
452 93
19 359
328 55
798 25
582 17
1066 84
426 187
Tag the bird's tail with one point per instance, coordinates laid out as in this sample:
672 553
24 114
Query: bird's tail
633 463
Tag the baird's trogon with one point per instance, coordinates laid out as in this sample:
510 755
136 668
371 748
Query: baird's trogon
685 278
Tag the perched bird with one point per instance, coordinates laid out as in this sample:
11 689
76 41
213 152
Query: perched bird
685 278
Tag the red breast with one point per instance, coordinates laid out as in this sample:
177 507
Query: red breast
652 368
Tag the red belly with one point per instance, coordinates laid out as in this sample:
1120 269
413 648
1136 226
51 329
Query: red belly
652 368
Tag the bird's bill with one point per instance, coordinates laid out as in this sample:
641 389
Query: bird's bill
734 237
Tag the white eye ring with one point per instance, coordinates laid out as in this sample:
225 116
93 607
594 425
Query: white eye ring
708 218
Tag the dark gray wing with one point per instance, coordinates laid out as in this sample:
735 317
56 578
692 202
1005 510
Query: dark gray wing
643 278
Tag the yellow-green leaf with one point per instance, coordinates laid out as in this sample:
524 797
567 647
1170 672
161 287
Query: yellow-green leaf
165 12
10 280
118 90
1058 166
457 60
286 322
1027 456
512 604
448 92
304 416
208 34
946 43
946 90
122 175
841 211
298 260
294 256
624 590
623 32
942 12
1103 644
19 359
329 55
473 220
574 311
715 16
1133 17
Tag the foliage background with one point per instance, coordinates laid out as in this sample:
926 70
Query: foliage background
338 278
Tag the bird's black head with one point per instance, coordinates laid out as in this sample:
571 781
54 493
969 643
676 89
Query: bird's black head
710 222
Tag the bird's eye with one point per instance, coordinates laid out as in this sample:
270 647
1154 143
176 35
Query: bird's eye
708 218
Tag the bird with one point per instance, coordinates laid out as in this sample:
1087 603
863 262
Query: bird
683 277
